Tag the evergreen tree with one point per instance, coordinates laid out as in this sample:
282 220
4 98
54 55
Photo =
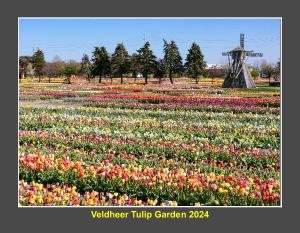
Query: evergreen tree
134 65
146 59
172 59
159 70
85 67
101 62
120 61
38 62
195 63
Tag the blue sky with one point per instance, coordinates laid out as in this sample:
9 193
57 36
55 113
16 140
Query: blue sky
71 38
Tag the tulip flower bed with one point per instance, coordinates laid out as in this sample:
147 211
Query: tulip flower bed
62 195
134 145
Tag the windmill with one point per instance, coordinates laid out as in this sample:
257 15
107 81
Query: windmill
239 75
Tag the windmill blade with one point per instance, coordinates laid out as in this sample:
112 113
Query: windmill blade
226 53
242 40
251 54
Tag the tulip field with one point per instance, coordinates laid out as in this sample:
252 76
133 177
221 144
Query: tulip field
186 144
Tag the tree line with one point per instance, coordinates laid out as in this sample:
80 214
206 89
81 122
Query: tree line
141 63
269 70
120 64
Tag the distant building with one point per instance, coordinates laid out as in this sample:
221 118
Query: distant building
262 75
214 66
216 70
139 75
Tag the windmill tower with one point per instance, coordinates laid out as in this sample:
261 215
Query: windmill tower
239 75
